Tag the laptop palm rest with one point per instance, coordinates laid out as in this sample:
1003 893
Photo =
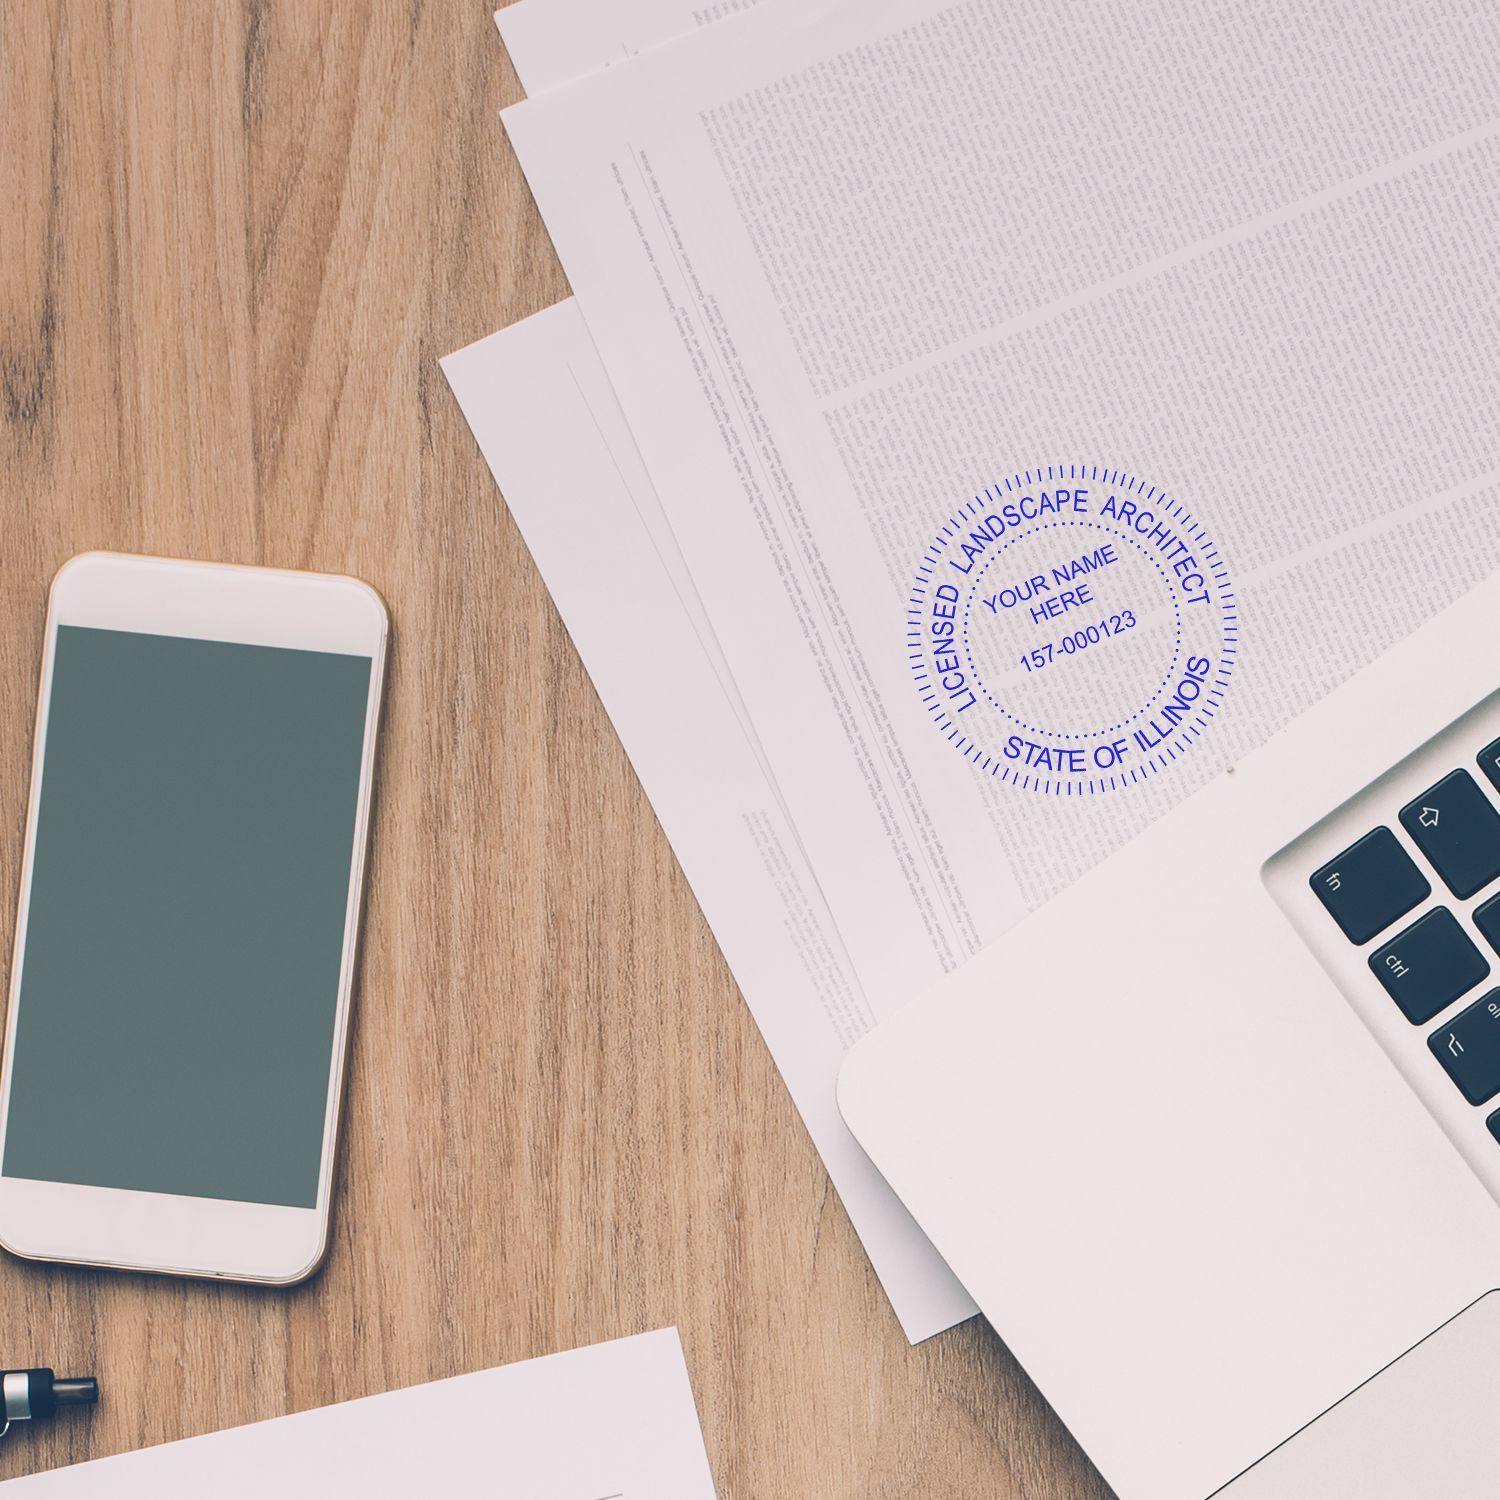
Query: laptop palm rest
1425 1425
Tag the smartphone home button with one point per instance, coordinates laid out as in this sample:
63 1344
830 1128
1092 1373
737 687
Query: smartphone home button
153 1229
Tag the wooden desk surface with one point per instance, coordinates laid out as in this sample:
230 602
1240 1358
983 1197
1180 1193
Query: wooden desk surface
234 241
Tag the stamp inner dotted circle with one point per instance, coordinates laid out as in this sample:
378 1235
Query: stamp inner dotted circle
1005 630
1072 629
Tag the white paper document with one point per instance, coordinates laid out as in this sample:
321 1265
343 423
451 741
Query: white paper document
552 42
552 432
611 1422
1195 308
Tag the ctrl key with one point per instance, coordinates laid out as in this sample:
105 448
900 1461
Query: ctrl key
1469 1048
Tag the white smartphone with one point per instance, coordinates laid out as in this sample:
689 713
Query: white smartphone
188 917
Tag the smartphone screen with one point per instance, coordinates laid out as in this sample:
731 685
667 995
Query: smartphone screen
185 928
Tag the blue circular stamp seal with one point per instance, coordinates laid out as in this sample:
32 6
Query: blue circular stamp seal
1072 630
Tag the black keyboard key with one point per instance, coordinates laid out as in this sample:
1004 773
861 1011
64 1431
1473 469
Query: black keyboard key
1456 826
1487 920
1370 885
1429 966
1494 1123
1489 763
1469 1048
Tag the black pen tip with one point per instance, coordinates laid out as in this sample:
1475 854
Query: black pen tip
75 1392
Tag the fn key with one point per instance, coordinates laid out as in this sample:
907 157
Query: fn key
1370 885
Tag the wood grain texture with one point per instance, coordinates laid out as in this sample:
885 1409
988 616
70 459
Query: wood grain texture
234 241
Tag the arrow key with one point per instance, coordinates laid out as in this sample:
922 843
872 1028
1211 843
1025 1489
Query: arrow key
1456 826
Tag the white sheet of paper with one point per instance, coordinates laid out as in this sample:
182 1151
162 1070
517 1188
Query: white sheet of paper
849 262
551 429
552 42
611 1422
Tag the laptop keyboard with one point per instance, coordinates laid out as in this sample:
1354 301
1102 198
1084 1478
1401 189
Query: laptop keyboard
1440 965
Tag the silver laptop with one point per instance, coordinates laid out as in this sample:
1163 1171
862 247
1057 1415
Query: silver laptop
1213 1139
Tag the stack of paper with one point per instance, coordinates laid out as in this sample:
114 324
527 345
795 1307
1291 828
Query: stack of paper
854 276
